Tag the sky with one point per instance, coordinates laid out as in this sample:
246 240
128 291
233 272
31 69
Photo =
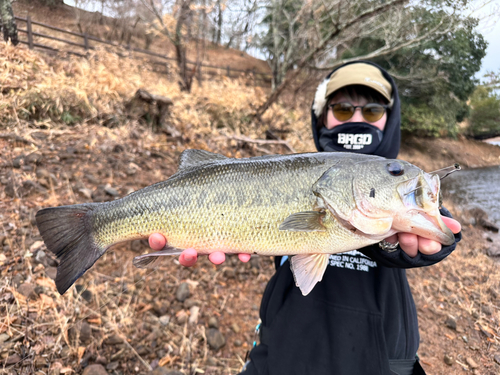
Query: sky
489 27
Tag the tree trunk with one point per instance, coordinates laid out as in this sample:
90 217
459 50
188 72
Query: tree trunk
8 22
219 23
180 48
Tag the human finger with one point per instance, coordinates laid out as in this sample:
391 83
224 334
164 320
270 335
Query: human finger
188 257
427 246
408 243
217 257
244 257
454 225
157 241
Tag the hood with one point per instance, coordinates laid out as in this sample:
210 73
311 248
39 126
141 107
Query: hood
389 147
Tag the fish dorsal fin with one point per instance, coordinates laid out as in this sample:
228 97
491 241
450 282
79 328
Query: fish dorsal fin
151 260
191 158
307 221
308 270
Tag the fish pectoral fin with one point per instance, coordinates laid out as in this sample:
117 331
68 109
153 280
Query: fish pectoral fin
308 269
191 158
375 226
151 260
306 221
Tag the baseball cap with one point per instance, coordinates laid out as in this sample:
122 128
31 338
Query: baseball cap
359 74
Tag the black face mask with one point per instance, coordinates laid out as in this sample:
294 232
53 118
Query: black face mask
357 137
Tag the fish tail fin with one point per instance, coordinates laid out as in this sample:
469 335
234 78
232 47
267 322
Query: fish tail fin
67 232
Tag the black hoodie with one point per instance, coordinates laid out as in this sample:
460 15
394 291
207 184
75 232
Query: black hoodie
358 318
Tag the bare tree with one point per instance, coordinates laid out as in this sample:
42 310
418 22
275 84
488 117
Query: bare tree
8 22
176 20
313 34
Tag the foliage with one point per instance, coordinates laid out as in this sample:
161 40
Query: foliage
485 114
436 78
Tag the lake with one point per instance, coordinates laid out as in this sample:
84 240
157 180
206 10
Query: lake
478 187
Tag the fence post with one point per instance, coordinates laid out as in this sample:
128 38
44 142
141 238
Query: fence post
30 32
254 77
86 41
228 72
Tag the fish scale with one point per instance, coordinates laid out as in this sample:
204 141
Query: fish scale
303 204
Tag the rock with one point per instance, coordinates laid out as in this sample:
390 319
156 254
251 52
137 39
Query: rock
113 340
493 250
111 191
18 161
496 358
84 293
486 310
112 366
164 320
161 307
27 290
230 273
85 332
237 343
448 360
194 312
4 337
254 262
40 362
136 246
182 292
17 280
471 363
182 317
33 158
213 322
12 360
451 323
235 327
51 272
190 302
215 339
95 369
101 360
211 361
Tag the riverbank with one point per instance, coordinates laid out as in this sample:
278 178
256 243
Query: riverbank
199 319
458 299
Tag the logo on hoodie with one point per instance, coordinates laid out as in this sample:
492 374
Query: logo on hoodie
354 141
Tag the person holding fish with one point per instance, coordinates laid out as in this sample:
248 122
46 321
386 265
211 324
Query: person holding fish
361 317
343 225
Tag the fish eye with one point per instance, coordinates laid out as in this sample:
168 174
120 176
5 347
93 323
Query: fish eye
395 168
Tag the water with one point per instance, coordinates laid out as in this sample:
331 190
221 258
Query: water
479 187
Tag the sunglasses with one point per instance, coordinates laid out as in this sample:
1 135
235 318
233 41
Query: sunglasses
371 112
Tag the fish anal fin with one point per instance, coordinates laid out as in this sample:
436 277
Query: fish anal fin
308 270
191 158
306 221
374 226
151 260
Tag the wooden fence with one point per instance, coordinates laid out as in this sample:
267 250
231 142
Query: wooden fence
260 79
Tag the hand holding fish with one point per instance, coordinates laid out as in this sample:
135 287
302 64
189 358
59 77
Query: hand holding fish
189 257
412 244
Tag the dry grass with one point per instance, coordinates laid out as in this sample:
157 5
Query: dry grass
44 162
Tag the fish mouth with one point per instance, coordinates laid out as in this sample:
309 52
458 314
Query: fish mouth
420 196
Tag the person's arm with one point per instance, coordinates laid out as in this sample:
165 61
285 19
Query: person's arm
415 251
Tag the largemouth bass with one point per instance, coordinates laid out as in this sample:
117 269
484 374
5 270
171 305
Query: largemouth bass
306 205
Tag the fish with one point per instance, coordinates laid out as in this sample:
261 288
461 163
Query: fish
306 206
